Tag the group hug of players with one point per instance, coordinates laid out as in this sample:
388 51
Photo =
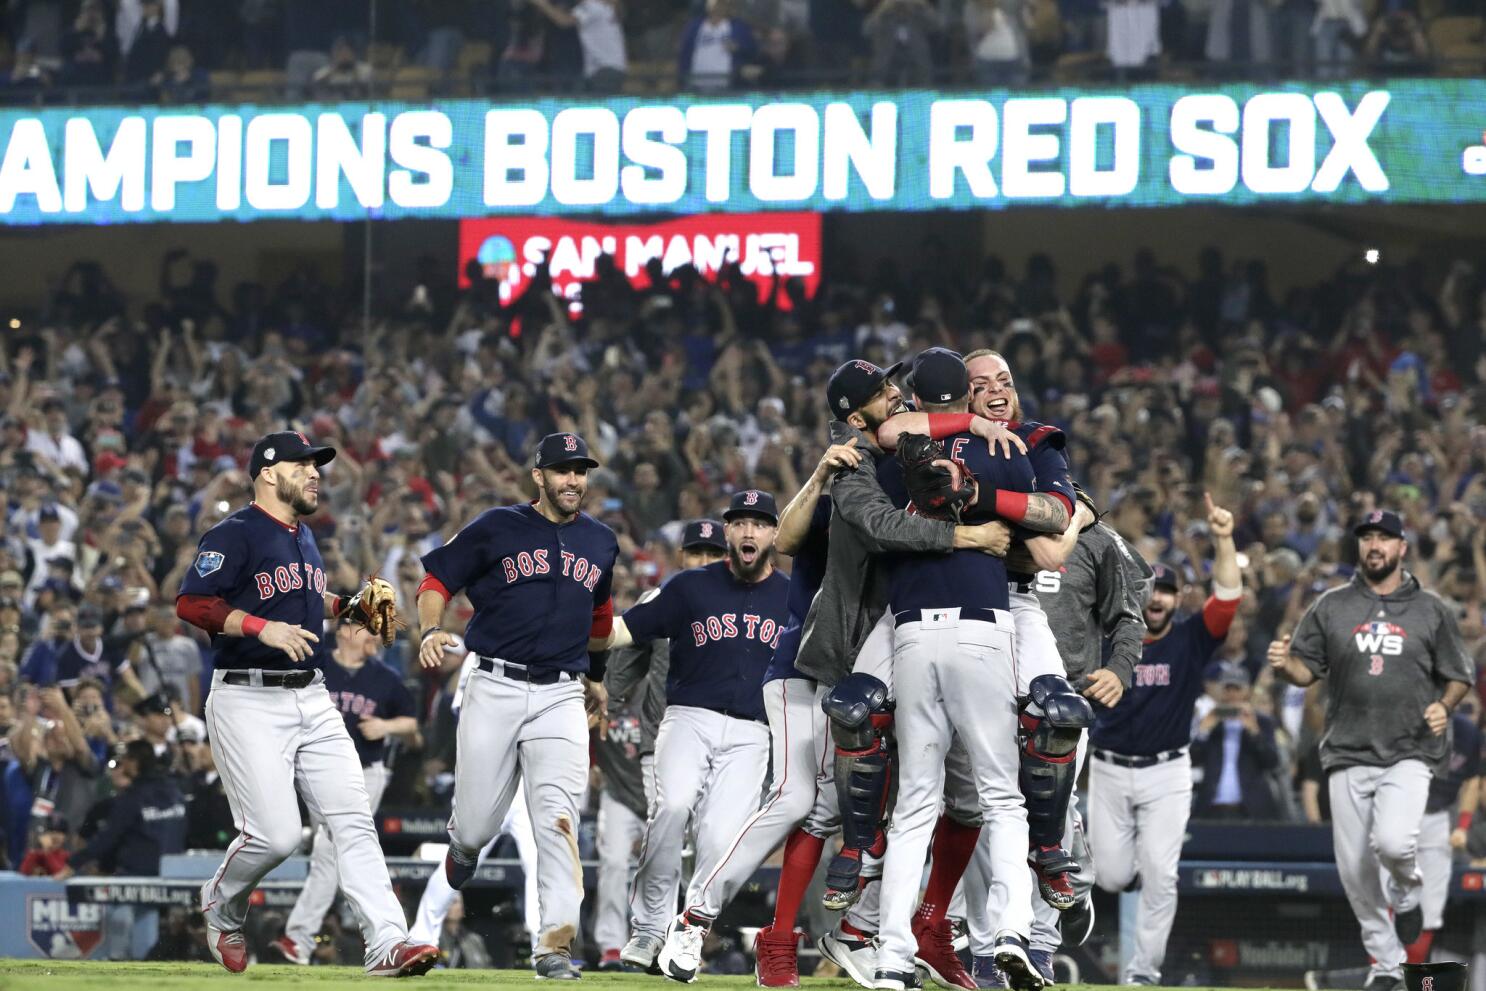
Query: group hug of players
928 683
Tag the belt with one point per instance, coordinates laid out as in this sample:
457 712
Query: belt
732 713
1024 588
966 612
269 679
520 672
1152 760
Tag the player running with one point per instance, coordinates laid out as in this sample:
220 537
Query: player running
376 707
1395 668
538 577
1140 780
712 752
258 587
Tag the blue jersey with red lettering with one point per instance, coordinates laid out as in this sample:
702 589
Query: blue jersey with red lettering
534 584
807 571
372 690
267 569
964 578
1155 715
723 633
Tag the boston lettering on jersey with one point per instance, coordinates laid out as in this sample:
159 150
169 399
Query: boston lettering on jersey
722 667
373 690
266 569
965 578
1155 716
534 584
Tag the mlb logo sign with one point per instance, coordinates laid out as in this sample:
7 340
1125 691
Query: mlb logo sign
209 562
63 931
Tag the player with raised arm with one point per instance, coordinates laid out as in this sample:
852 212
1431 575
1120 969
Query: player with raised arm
538 576
258 587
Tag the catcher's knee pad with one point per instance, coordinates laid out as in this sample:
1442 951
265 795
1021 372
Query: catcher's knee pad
861 715
1053 717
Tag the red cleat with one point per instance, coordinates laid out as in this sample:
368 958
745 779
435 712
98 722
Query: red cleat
936 954
228 947
290 951
406 960
778 959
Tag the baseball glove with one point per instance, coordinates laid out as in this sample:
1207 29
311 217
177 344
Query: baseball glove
375 607
938 487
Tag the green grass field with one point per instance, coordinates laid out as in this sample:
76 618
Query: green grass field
43 975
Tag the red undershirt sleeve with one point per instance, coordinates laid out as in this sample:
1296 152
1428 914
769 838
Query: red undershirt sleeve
432 584
205 612
603 620
1217 615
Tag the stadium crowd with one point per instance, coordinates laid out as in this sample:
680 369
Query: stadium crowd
127 424
189 52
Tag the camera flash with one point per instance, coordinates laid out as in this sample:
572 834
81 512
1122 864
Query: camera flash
1371 256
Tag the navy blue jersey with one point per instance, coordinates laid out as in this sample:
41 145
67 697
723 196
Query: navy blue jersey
806 574
965 578
267 569
722 631
374 690
146 821
534 584
1155 716
74 664
1462 764
1045 446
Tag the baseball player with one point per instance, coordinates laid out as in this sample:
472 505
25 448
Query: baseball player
1140 780
623 810
712 751
1088 588
438 897
376 706
538 576
637 674
955 674
1444 830
1395 668
258 587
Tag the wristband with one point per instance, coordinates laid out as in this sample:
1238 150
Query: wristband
253 625
431 629
1464 821
337 603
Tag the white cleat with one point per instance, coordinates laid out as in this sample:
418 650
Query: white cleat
855 955
681 956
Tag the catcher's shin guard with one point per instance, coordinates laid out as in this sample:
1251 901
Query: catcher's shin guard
1052 719
860 715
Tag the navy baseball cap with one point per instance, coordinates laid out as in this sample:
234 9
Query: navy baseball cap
1226 673
939 376
286 445
1165 576
703 533
752 502
562 449
152 705
854 384
1385 520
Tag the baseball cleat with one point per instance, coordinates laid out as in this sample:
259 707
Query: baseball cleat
681 955
610 960
986 973
641 950
896 980
1383 982
1042 962
556 967
936 954
228 948
855 954
777 958
1077 924
406 959
1015 962
457 874
290 951
1053 865
843 881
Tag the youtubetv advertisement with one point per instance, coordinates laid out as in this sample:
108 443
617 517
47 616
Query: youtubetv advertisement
1409 141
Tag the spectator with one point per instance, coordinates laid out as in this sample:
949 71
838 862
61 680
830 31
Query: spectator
48 855
147 821
1238 32
1397 43
149 40
1134 33
347 76
464 949
182 81
166 661
1234 749
88 51
52 440
714 49
996 31
52 764
209 823
131 14
88 656
600 35
156 723
40 666
1293 39
525 46
899 32
28 76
